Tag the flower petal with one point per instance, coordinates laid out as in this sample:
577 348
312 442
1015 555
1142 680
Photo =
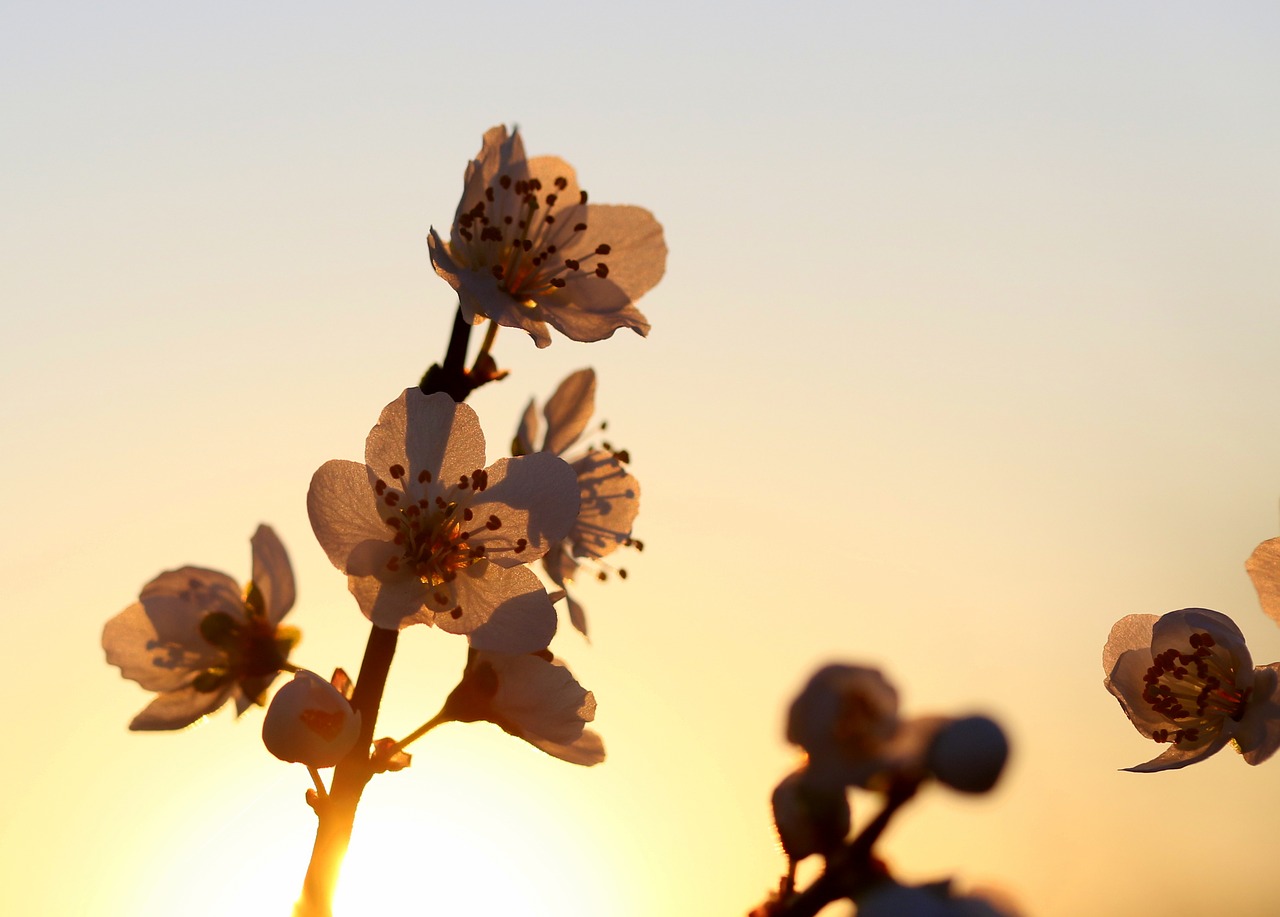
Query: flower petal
505 610
500 154
176 709
527 432
1263 567
272 573
610 501
1258 736
637 256
586 750
1181 755
1132 632
568 410
1174 630
430 433
392 602
535 497
132 642
343 510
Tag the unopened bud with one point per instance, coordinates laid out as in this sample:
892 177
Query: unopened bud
310 722
969 753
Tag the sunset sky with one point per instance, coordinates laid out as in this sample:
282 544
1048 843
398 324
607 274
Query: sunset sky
967 347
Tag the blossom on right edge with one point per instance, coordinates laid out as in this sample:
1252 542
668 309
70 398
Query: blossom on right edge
610 495
1187 680
526 250
532 696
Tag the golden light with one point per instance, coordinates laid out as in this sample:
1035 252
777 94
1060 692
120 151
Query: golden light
472 828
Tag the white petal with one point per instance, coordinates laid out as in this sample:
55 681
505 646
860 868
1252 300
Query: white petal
568 410
176 709
391 602
1174 630
506 610
344 510
638 253
1258 735
272 573
586 750
1181 755
1263 567
527 432
500 153
610 501
132 643
540 698
535 497
425 433
1131 632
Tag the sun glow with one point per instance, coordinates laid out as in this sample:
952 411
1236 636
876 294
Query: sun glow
490 839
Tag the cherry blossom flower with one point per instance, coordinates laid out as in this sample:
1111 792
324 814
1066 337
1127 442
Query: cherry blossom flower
531 696
427 534
198 640
610 495
526 249
1186 679
310 722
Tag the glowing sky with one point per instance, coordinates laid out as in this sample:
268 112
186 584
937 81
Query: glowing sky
966 348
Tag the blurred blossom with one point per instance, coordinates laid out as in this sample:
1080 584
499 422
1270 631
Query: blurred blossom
890 899
198 640
532 697
1186 679
310 722
526 249
610 496
427 534
810 817
845 718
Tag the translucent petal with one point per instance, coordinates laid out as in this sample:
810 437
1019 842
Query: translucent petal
272 573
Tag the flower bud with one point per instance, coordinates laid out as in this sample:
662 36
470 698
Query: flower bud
810 817
969 753
310 722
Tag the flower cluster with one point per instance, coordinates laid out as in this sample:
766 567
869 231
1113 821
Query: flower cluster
426 529
847 721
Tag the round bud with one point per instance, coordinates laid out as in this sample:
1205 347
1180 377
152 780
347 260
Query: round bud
968 754
310 722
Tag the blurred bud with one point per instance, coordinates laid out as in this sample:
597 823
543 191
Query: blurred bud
937 899
844 718
811 818
968 754
310 722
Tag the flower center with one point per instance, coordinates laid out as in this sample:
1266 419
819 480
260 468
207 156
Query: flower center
1199 686
440 535
517 234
